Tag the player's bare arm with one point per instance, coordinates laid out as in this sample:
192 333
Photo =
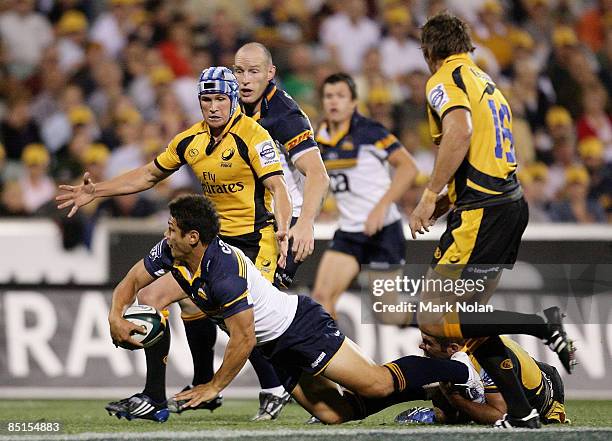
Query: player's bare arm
316 185
405 173
134 181
241 328
282 212
123 296
456 136
483 413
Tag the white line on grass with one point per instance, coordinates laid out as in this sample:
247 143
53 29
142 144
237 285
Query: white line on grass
233 434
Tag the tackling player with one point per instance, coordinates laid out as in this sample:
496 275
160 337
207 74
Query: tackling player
541 383
471 122
304 173
309 353
357 153
239 168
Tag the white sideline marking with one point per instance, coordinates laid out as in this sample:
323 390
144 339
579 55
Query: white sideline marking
234 434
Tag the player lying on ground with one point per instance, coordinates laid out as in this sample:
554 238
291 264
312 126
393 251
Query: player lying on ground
541 383
310 354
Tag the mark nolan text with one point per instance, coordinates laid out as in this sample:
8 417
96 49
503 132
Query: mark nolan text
431 307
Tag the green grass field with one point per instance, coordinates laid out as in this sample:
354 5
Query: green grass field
83 420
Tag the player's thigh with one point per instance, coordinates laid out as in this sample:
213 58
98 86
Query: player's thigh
161 293
335 273
323 398
352 369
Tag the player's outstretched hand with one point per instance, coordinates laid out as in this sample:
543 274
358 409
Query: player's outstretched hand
376 219
302 235
422 217
283 245
76 195
121 331
198 394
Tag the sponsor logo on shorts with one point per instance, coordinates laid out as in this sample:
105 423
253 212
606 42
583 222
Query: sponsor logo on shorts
318 360
437 253
506 364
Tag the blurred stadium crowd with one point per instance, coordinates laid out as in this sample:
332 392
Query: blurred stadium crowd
104 85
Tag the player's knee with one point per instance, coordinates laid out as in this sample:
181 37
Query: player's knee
377 386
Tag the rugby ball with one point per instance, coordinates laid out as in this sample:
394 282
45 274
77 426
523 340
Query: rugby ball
150 319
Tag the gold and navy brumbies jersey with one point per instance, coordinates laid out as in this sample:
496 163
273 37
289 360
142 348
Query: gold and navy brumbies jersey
342 150
219 287
231 171
487 175
538 389
286 123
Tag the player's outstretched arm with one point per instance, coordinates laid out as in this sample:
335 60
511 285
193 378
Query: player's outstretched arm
405 173
316 186
241 328
282 212
123 296
134 181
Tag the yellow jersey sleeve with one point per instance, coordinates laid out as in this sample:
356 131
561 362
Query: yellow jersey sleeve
169 159
444 93
264 155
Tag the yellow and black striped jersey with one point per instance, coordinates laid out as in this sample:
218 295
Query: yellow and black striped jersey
487 174
231 171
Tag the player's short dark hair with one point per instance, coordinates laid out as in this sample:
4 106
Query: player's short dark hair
341 77
445 342
444 35
195 212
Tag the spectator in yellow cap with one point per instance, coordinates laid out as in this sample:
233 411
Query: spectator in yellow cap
128 154
400 50
574 204
595 120
493 31
72 32
94 160
379 103
534 179
559 126
36 185
591 151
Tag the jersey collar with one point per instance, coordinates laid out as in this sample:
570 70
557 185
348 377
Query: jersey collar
323 136
265 100
228 127
461 57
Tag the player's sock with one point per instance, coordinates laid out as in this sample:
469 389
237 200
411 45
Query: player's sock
201 336
495 360
413 372
157 359
487 324
278 391
364 407
264 370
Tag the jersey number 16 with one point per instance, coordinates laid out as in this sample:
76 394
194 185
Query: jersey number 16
503 134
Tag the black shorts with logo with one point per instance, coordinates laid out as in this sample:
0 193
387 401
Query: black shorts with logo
307 346
483 236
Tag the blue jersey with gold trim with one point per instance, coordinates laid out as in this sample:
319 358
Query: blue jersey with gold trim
225 284
290 128
356 161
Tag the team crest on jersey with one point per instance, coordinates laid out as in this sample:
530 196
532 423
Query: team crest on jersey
438 97
193 153
506 364
267 153
228 154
